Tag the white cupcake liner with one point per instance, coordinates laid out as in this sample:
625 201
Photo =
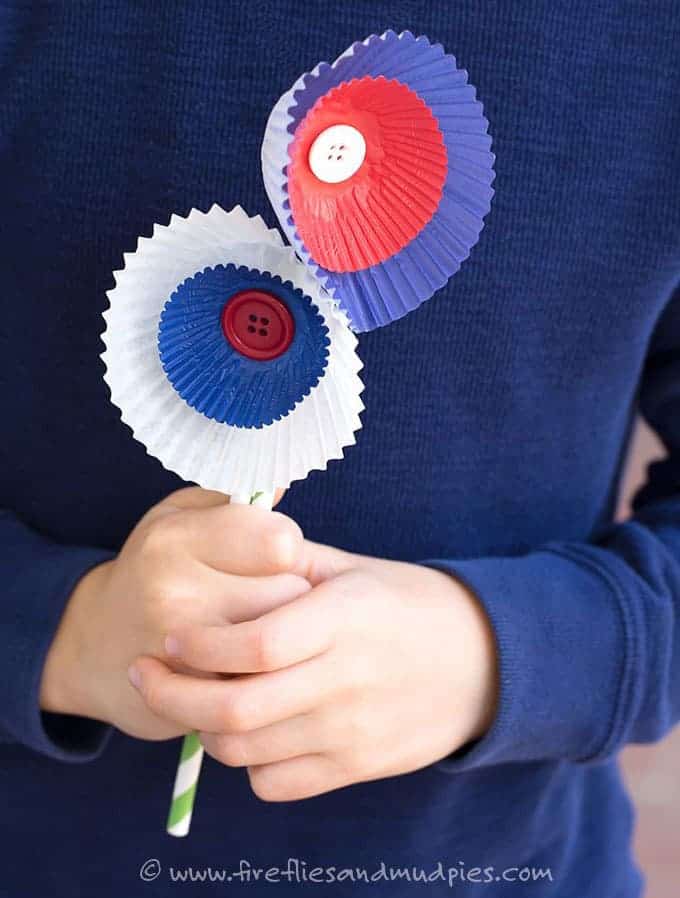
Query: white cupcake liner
213 455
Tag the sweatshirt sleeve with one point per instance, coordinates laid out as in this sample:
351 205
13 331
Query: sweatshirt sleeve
37 578
588 634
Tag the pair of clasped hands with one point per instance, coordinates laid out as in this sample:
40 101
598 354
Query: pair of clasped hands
312 667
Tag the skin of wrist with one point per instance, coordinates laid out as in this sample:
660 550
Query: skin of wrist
66 686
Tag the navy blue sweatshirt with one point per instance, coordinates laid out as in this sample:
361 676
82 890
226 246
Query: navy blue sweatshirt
498 418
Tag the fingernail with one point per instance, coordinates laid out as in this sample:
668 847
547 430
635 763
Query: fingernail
172 645
134 677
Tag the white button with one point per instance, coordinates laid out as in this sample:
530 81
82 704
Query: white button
337 153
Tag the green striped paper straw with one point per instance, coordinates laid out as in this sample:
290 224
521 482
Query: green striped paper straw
186 780
191 757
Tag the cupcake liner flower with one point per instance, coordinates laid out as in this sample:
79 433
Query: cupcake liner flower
228 360
379 169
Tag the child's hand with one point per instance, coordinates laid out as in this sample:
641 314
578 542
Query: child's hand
193 559
381 669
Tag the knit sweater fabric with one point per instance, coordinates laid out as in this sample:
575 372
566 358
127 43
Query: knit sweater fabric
497 422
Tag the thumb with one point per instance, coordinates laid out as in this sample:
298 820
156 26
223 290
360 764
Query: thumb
194 497
318 562
190 497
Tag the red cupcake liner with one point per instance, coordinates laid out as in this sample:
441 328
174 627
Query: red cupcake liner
375 213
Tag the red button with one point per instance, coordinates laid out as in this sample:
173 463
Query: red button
258 324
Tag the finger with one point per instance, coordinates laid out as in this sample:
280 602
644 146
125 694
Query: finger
283 740
195 595
297 778
317 562
216 601
234 539
186 498
238 705
293 632
246 598
210 598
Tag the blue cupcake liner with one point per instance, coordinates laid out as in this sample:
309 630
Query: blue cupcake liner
217 380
